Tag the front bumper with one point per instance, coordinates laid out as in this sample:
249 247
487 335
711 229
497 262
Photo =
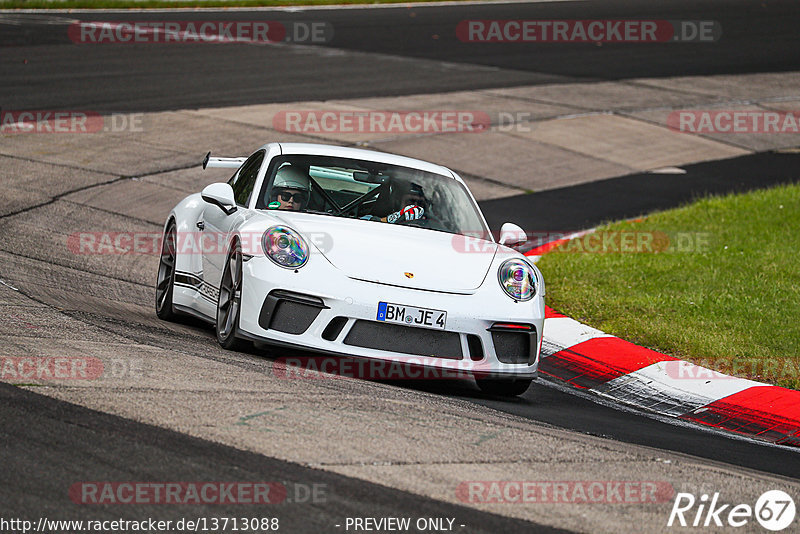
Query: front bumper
320 309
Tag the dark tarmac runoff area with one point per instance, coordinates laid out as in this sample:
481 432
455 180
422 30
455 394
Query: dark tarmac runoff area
374 52
584 206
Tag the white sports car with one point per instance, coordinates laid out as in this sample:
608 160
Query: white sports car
355 253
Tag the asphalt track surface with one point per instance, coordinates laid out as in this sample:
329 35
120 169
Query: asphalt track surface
584 206
49 442
398 51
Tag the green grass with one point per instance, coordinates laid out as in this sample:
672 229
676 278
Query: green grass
160 4
733 305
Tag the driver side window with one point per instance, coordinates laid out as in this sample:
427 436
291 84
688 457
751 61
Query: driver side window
245 179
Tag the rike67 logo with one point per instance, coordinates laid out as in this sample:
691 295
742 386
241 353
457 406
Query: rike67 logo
774 510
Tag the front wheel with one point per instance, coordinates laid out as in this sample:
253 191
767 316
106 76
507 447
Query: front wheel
229 302
166 276
504 387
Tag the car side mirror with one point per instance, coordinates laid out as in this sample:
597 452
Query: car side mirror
512 235
220 194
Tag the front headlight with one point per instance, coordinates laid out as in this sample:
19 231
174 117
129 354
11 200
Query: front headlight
285 247
517 279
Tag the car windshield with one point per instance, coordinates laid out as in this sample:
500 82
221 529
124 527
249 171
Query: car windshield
371 191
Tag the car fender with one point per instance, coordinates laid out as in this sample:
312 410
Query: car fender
186 215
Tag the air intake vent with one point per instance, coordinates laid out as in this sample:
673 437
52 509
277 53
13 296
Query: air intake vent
475 347
405 339
514 343
334 328
288 312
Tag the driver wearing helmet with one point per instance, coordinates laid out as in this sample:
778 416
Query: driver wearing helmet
290 189
411 204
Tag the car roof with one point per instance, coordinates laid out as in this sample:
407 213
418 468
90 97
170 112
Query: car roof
370 155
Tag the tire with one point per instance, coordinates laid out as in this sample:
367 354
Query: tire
504 387
165 281
229 301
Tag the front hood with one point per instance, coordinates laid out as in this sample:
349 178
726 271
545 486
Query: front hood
395 254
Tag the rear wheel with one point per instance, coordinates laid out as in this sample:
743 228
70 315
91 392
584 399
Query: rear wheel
504 387
166 276
229 302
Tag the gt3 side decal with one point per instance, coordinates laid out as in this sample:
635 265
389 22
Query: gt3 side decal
193 281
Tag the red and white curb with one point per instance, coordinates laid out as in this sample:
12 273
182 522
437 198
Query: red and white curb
586 358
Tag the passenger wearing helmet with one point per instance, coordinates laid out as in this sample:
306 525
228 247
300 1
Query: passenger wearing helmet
290 189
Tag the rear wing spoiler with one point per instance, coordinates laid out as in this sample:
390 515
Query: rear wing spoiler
231 163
